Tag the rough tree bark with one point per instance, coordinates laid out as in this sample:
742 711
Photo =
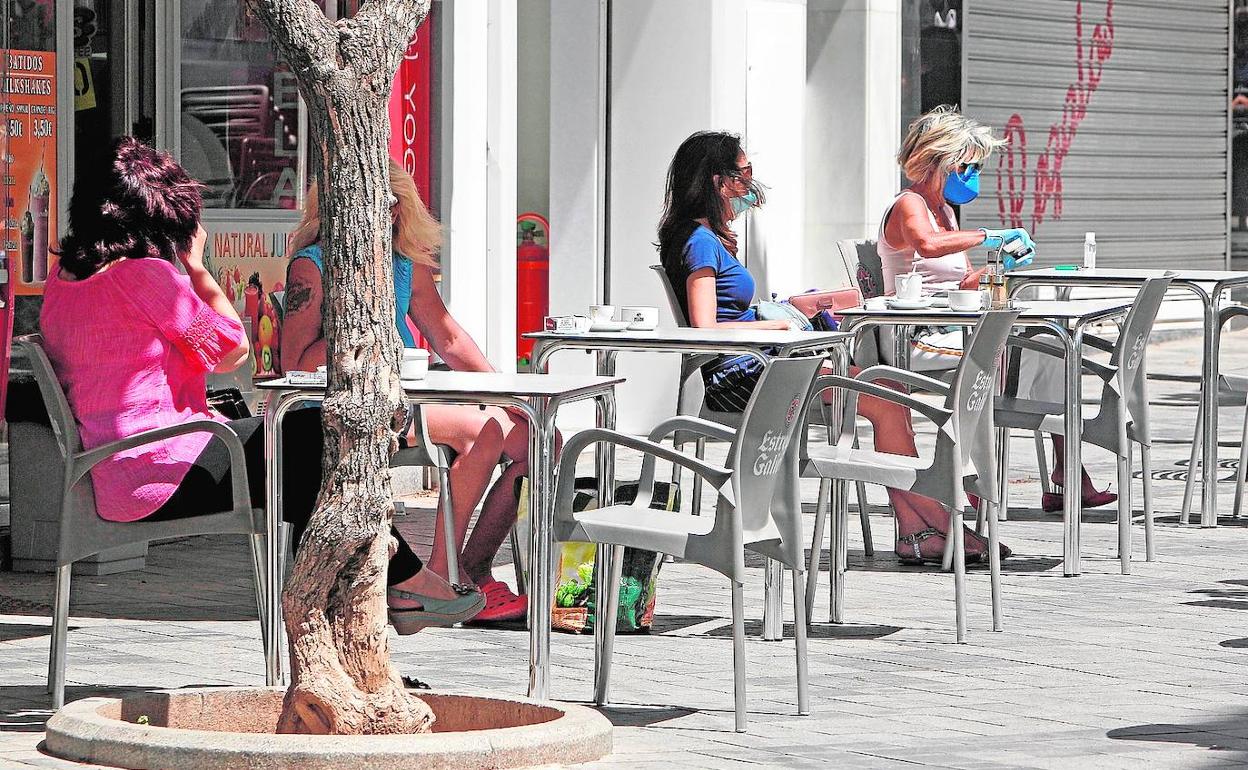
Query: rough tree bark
334 604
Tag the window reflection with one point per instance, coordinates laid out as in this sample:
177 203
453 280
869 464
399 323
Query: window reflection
239 109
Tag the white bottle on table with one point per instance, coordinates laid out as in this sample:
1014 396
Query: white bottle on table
1089 251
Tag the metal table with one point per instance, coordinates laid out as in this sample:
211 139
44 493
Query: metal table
761 343
536 396
1208 286
1067 320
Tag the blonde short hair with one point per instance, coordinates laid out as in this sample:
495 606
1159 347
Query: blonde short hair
942 139
417 235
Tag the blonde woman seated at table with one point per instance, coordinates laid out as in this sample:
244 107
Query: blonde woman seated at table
479 437
711 182
941 155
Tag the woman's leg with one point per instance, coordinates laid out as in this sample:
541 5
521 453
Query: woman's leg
498 513
477 439
894 434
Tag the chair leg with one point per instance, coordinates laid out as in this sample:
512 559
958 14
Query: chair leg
864 520
448 524
1146 470
1243 467
959 573
60 627
799 640
1042 460
1003 467
1124 512
522 583
699 452
738 654
994 569
1190 486
607 602
255 544
837 551
816 544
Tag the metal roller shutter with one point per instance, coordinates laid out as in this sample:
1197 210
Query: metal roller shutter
1116 113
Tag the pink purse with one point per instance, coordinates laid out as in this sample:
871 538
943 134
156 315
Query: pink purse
812 303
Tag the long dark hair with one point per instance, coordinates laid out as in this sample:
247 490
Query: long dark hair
131 201
692 194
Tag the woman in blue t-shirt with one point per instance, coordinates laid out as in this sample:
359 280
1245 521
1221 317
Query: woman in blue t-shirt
711 182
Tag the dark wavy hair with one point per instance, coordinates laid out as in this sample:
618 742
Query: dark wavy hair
692 194
129 202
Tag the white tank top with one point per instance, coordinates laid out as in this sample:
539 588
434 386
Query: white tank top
944 272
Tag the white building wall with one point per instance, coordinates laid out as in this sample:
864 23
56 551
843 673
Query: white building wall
853 114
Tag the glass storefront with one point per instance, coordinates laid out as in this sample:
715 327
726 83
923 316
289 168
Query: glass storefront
238 109
931 56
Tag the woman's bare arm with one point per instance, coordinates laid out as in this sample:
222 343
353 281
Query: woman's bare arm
700 291
449 340
910 224
303 339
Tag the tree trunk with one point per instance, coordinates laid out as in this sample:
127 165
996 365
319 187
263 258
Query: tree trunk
334 605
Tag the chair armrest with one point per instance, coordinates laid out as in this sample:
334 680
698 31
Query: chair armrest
565 488
856 387
1100 343
82 462
905 377
1104 371
687 424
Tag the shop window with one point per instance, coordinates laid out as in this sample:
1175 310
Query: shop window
239 109
931 56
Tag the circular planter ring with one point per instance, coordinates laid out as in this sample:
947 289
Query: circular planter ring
223 728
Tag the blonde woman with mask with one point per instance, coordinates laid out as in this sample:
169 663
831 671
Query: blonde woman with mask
941 155
479 437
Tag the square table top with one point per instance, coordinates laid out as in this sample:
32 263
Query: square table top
1127 275
486 384
1030 310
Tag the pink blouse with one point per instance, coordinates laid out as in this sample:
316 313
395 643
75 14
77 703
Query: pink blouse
132 345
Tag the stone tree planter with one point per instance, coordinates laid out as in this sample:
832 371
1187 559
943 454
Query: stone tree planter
224 728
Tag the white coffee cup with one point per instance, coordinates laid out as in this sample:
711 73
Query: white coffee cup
966 299
640 317
875 303
909 286
601 313
414 365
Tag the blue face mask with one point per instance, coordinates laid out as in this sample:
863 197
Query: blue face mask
962 187
744 203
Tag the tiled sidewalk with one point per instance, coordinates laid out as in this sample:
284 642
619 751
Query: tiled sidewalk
1101 671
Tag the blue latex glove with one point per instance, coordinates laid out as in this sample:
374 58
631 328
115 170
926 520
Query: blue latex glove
1014 254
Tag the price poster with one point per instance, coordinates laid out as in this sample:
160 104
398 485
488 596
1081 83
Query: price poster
28 155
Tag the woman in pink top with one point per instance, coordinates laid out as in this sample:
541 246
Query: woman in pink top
132 340
941 155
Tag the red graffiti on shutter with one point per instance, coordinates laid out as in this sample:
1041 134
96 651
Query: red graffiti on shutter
1090 58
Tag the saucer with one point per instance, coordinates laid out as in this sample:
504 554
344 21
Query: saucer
609 326
908 304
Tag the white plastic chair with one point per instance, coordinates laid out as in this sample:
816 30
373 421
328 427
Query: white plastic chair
744 516
83 533
964 459
1122 419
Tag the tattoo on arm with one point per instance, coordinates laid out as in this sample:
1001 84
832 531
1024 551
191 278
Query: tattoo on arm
298 295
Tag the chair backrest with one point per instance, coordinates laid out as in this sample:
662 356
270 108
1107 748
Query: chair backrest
974 387
672 300
1128 355
860 260
774 413
59 415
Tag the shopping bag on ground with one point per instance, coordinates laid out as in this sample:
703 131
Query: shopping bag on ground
574 609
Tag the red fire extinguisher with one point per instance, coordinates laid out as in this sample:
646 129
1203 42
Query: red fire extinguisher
532 280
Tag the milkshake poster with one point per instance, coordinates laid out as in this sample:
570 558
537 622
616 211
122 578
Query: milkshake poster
28 133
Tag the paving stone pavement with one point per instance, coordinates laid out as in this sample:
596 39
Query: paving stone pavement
1099 671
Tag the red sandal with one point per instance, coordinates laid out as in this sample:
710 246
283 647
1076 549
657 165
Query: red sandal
501 605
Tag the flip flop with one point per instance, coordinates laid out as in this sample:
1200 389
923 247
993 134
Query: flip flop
434 611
